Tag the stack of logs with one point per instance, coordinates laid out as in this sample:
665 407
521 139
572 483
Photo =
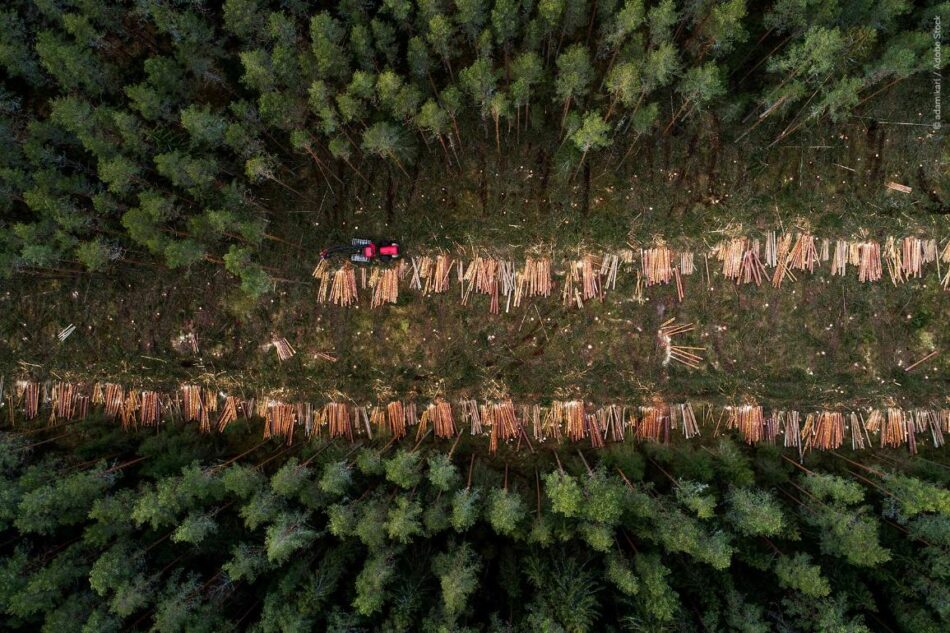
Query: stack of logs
503 420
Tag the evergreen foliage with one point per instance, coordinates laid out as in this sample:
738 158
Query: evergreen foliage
330 539
168 127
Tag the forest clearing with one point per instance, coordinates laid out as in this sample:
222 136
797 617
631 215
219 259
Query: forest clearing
474 315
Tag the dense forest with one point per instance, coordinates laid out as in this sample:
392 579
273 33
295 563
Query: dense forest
178 531
182 132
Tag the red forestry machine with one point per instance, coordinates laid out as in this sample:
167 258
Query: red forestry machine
365 251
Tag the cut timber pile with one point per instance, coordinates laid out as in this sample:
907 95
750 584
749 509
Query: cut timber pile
792 430
128 409
748 420
396 419
338 420
582 282
68 403
150 412
590 276
782 247
869 262
471 416
682 416
686 263
30 392
804 255
865 255
481 276
824 430
685 355
229 414
385 284
612 419
740 260
431 275
534 280
551 423
343 291
574 420
506 421
654 423
500 416
338 287
439 415
609 267
656 264
113 399
279 421
284 349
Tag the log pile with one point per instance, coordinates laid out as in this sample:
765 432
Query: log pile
612 419
431 275
771 249
804 256
842 256
609 267
504 423
824 430
893 429
343 290
562 420
751 269
337 287
385 284
781 255
582 282
439 282
471 416
284 350
748 420
859 435
150 411
228 414
551 423
422 271
682 417
360 421
869 261
439 415
590 276
654 423
396 419
113 400
481 277
338 420
687 266
534 280
791 429
63 395
730 253
656 265
683 354
914 253
279 421
192 405
30 392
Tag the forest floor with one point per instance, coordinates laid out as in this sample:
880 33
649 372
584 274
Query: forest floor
818 341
